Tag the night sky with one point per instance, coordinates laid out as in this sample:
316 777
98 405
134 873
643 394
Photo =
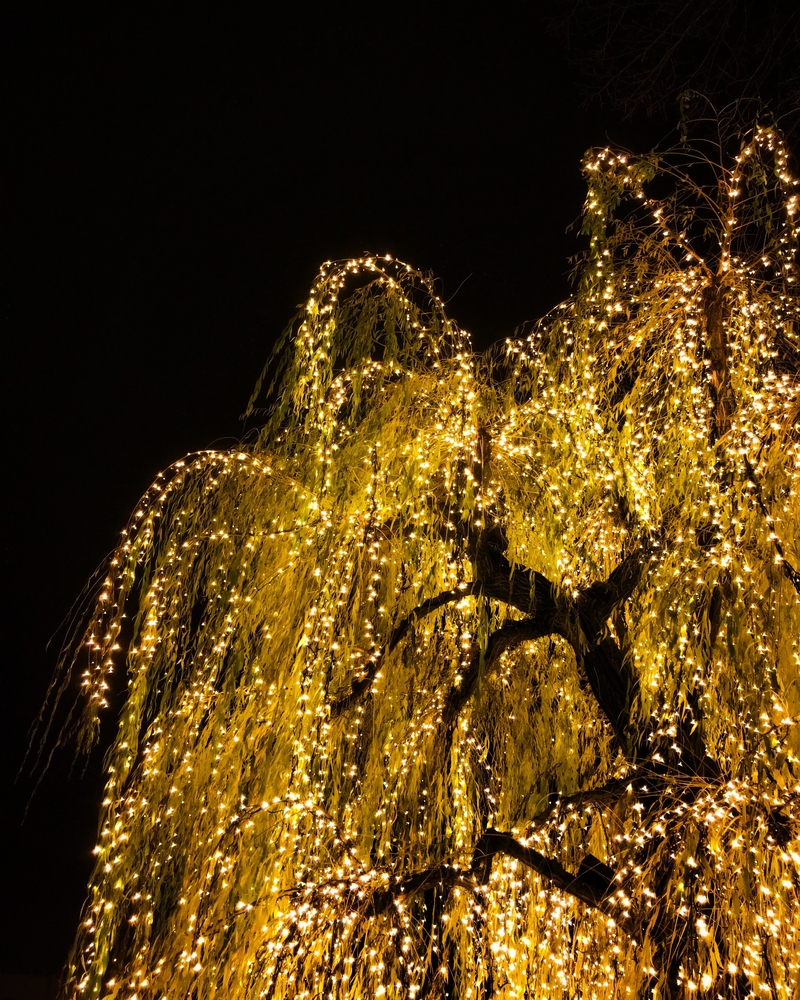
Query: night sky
171 180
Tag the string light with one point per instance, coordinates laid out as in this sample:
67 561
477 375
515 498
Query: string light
371 743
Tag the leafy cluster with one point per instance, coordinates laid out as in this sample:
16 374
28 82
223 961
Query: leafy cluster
477 675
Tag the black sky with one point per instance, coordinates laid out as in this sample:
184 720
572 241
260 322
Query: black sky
171 179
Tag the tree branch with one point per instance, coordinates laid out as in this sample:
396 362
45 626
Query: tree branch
523 589
593 884
613 684
612 681
607 794
714 310
441 875
597 602
508 636
610 678
396 635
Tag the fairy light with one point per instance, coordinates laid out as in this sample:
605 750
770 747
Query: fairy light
322 729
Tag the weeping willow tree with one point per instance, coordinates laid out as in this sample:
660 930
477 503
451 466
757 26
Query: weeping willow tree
476 675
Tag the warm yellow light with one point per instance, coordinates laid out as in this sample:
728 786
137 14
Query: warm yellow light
478 672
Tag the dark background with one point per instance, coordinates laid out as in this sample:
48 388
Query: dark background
171 179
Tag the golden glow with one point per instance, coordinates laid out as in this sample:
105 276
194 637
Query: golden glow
272 829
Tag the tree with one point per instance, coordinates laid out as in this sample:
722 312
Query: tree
476 675
642 55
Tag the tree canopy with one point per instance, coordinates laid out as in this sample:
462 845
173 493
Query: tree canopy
475 675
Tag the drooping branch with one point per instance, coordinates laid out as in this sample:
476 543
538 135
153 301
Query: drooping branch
444 523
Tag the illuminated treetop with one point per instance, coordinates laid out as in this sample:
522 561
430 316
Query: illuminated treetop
476 675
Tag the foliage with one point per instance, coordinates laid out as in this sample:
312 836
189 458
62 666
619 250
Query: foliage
477 675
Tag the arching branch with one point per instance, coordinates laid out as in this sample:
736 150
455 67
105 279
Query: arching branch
508 636
362 685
